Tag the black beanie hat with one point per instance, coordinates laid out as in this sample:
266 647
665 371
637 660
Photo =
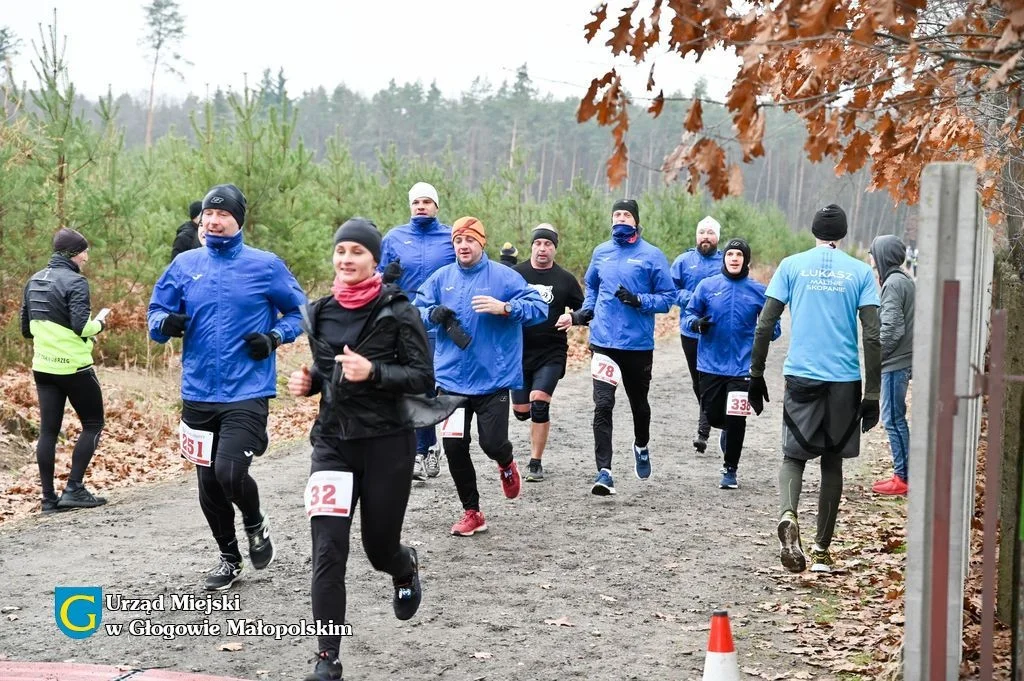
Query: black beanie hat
737 245
361 231
545 231
829 223
227 197
631 206
68 242
194 209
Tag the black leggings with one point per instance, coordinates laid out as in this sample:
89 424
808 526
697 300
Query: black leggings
54 390
381 470
714 403
239 433
492 429
635 367
690 352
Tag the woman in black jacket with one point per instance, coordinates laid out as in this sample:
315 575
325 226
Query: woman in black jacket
369 350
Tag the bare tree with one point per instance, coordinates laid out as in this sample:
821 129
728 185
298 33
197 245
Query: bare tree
166 29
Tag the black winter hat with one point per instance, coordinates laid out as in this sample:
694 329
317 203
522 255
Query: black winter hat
194 209
68 242
742 246
630 205
545 231
363 232
227 197
829 223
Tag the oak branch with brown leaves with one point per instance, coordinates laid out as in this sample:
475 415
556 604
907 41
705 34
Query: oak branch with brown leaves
899 83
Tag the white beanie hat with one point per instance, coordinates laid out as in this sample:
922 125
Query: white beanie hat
423 190
709 221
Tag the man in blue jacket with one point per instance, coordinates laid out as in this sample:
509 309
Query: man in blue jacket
723 312
627 282
688 270
420 248
232 305
479 308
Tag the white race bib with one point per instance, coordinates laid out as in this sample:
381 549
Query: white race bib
455 425
736 404
196 445
603 368
329 493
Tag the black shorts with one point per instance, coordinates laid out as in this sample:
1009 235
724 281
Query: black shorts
544 378
239 428
714 394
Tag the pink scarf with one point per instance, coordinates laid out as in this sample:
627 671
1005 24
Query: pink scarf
353 297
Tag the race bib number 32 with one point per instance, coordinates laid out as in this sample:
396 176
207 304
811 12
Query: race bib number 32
603 368
736 404
196 445
329 493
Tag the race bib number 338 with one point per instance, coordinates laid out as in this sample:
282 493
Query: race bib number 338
196 445
736 404
329 493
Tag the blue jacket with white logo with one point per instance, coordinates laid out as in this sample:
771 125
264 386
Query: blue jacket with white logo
642 268
688 270
422 251
226 295
494 358
733 306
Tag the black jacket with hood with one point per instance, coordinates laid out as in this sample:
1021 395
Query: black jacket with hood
394 340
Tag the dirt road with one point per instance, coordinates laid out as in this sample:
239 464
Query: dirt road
564 585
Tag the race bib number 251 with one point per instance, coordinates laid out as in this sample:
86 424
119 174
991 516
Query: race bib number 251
196 445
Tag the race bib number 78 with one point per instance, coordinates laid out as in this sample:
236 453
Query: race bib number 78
603 368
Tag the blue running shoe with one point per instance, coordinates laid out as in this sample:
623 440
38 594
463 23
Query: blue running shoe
603 483
728 478
642 467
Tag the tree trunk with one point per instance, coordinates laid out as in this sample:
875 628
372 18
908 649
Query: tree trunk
149 108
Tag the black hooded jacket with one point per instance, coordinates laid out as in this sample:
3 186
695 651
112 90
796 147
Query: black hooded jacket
388 332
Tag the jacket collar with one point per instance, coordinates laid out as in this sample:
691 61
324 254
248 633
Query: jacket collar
63 262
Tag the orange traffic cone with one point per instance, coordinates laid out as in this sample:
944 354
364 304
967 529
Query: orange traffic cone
720 663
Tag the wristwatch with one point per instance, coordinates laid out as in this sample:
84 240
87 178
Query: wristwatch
508 308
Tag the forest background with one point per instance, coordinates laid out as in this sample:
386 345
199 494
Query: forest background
506 154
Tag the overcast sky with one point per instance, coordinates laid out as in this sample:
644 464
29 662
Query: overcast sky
360 44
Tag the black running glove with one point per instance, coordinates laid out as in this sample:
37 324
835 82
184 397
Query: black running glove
174 325
627 297
261 345
581 317
392 271
868 415
441 315
757 394
701 325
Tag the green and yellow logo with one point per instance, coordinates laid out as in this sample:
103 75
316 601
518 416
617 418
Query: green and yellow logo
78 609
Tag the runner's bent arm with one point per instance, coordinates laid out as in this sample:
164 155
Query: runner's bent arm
696 308
26 329
767 322
592 280
166 299
288 298
869 325
663 293
78 309
414 370
525 304
683 294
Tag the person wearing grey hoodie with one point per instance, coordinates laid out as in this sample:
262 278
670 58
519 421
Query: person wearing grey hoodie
897 338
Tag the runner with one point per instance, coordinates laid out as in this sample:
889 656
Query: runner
56 314
628 281
545 346
224 300
369 348
723 310
480 306
827 290
509 254
420 248
187 236
688 270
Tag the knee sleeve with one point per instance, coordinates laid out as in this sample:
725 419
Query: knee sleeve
539 411
524 415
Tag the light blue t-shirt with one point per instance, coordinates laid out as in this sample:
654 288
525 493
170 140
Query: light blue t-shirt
823 287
